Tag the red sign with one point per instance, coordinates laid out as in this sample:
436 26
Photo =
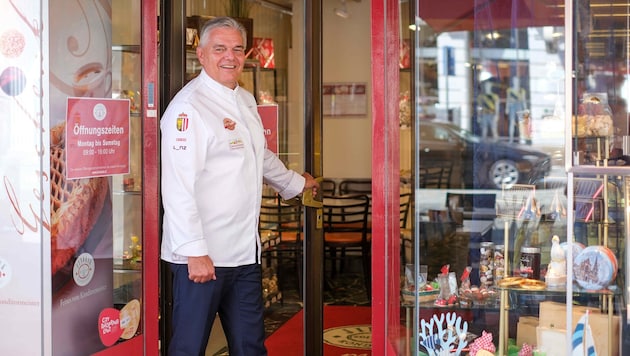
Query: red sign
269 115
109 329
97 137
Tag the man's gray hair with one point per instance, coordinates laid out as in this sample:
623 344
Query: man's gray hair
217 22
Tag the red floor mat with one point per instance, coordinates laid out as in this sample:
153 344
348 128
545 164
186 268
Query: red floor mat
347 331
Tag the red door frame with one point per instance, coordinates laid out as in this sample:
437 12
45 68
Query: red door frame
385 178
148 342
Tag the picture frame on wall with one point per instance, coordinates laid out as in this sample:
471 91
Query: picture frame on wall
344 99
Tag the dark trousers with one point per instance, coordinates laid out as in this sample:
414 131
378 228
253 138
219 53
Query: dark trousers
236 295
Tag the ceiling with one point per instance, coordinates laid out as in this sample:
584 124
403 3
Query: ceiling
285 6
602 28
491 14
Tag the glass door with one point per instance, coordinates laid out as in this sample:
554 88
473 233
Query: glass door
282 71
274 74
134 194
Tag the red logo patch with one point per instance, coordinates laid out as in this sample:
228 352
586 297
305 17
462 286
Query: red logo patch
229 124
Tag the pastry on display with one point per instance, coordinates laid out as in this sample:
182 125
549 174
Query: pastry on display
517 282
594 118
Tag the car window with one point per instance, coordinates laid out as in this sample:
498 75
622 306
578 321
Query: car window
467 135
427 132
441 134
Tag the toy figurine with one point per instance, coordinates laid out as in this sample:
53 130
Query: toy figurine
557 269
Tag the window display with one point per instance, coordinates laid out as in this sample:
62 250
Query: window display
551 269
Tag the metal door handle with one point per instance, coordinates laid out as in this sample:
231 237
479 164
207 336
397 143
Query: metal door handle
311 201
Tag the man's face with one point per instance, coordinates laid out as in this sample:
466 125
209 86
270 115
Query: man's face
223 56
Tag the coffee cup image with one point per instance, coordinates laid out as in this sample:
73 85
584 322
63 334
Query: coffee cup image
90 80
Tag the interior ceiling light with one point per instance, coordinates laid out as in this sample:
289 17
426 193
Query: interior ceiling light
343 10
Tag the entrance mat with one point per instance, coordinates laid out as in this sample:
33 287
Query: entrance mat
347 331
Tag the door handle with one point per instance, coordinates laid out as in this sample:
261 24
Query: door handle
307 198
313 201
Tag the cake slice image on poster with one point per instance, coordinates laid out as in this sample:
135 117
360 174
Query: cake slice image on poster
75 206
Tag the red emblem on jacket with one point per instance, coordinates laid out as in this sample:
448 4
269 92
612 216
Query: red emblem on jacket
229 124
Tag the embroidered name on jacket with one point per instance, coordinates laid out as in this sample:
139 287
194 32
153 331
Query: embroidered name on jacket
236 143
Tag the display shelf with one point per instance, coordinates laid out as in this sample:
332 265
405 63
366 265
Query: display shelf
455 307
273 298
612 290
127 189
591 150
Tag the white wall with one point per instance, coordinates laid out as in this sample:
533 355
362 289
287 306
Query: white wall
346 57
347 141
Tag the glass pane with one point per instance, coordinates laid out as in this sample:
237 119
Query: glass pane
94 182
486 152
127 188
24 163
599 136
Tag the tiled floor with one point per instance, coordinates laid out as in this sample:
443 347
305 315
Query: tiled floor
345 289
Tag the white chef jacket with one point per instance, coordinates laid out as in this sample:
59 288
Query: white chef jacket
214 158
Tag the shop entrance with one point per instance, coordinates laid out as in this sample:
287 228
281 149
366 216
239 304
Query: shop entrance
294 104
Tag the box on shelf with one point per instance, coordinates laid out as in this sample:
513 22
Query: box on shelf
526 330
551 341
553 316
263 52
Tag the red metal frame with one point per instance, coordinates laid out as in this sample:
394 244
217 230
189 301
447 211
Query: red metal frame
148 343
385 178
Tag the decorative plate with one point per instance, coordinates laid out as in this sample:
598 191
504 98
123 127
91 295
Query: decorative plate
577 248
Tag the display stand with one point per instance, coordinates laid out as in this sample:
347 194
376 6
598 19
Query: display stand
517 203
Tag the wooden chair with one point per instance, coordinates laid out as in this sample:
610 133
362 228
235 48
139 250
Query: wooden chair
280 227
345 223
358 186
435 174
328 187
406 240
405 206
440 245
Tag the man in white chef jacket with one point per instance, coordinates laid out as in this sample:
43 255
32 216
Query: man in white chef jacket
214 163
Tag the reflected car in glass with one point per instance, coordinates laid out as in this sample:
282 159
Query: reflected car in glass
452 157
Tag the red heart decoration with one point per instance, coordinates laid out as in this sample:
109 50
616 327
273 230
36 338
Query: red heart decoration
109 328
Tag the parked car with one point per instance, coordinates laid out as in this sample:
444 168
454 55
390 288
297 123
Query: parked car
475 162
